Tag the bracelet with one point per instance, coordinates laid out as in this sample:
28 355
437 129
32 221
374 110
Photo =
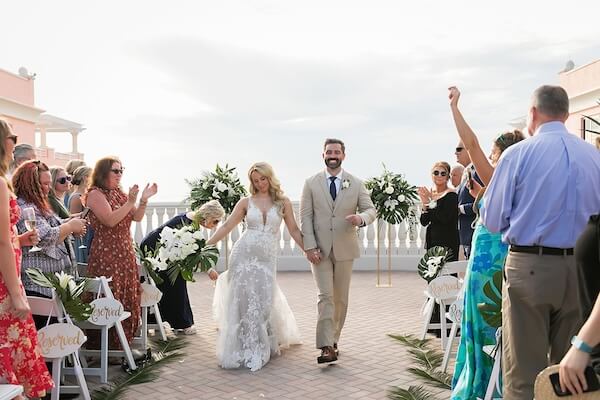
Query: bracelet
581 345
143 203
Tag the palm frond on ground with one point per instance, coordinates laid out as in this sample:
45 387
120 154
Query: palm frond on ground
427 359
163 353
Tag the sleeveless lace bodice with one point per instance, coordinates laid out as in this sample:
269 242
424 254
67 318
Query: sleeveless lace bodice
268 222
253 316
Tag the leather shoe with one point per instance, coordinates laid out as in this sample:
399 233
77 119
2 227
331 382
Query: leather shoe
327 355
335 348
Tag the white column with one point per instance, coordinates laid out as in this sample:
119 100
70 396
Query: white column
74 135
43 137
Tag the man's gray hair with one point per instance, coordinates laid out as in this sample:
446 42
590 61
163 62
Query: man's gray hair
552 101
21 150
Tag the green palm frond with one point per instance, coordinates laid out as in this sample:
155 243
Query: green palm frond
434 378
166 352
428 359
491 310
412 393
411 341
436 251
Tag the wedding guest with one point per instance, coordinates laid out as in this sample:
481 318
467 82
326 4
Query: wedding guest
456 175
61 182
80 180
112 253
573 364
439 211
541 195
71 166
466 215
21 362
22 152
473 367
174 305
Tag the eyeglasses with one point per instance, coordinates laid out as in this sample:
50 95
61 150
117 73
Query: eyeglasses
64 180
459 149
118 171
440 173
13 138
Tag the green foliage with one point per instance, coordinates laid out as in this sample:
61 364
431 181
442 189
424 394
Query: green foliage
164 352
202 260
412 393
430 272
491 310
392 196
144 255
222 185
66 289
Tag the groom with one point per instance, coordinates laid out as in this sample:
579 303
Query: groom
329 221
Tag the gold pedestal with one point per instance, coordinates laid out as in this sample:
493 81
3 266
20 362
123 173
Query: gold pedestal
389 256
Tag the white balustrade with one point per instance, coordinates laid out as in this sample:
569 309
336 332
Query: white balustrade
406 240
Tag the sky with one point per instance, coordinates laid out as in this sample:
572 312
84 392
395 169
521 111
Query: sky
173 88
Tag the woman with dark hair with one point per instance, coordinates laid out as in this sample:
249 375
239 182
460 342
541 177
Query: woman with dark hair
80 180
112 255
473 366
32 186
60 186
21 362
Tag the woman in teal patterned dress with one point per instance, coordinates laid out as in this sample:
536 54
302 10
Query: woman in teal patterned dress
473 366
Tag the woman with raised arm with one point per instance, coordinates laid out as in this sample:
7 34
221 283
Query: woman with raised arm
252 314
473 366
112 254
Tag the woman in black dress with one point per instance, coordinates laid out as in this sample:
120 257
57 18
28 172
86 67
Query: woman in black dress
440 215
440 211
174 305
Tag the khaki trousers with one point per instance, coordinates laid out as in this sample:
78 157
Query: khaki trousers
540 314
333 282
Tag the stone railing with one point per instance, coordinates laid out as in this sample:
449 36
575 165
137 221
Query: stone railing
405 241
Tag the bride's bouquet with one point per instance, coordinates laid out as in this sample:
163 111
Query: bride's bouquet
392 196
223 185
182 252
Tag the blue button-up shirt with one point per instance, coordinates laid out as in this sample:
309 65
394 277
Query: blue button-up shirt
544 189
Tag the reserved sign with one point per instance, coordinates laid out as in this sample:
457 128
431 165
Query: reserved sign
106 311
150 295
444 287
59 340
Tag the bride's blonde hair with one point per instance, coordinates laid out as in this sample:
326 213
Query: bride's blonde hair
275 191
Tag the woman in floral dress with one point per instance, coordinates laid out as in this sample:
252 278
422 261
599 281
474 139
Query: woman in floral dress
112 254
21 362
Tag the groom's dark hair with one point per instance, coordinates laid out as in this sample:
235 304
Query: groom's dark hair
335 141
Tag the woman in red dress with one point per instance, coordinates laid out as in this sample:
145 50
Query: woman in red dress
112 253
21 362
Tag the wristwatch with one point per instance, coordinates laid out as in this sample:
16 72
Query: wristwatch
581 345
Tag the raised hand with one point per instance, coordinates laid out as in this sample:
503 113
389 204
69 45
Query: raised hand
132 194
424 194
453 95
149 191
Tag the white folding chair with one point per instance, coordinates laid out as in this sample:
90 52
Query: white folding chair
9 392
100 288
54 308
146 308
454 267
442 290
454 314
495 352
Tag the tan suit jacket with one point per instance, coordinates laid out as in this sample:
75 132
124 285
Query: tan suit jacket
322 220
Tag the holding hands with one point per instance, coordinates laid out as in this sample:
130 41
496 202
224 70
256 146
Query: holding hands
314 256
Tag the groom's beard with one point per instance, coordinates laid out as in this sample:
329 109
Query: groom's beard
333 163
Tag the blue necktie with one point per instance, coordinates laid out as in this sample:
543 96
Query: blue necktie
332 188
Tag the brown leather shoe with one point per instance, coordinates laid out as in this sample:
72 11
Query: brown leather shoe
327 355
335 348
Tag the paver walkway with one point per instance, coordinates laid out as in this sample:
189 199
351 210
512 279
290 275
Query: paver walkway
369 364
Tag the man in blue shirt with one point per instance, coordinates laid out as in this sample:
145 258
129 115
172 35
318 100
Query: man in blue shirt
540 198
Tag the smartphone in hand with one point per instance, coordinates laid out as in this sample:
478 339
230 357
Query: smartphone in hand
84 213
590 377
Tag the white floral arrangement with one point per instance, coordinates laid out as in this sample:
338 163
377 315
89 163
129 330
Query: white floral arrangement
433 261
182 252
392 196
345 184
67 289
222 184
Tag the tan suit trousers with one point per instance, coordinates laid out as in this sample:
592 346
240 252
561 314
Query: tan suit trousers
333 282
540 314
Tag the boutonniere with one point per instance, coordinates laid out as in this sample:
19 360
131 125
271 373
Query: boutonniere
345 184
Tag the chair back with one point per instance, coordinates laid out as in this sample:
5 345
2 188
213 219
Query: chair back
454 267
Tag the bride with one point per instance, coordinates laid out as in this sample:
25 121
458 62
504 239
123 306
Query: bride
252 314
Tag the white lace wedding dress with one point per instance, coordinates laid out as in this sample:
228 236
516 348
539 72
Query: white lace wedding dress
252 314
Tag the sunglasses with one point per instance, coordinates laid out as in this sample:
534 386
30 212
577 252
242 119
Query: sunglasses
64 180
439 173
13 138
118 171
459 149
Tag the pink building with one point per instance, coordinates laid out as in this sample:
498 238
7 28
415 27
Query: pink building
32 124
583 86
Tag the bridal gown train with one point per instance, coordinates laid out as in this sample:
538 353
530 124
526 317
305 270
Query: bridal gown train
252 314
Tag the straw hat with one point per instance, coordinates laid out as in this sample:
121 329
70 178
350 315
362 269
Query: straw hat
544 391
